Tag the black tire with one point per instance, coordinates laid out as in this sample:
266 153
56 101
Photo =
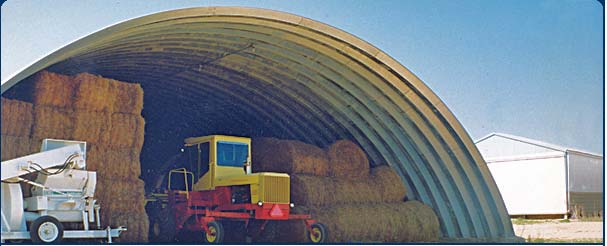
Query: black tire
46 229
162 227
321 233
217 228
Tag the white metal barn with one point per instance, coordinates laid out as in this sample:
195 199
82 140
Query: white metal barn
542 179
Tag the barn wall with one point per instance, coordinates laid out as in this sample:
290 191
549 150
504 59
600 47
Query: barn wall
532 186
586 183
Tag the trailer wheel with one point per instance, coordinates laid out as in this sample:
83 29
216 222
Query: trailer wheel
217 233
319 233
162 227
46 229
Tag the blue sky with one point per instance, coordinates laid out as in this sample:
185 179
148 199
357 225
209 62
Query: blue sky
528 68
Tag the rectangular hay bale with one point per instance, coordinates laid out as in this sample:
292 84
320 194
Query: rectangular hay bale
127 130
92 126
113 163
17 118
53 122
121 195
52 89
13 147
128 97
93 93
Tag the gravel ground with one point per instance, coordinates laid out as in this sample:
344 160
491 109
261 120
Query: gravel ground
574 230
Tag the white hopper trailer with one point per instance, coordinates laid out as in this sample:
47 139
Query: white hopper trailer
63 192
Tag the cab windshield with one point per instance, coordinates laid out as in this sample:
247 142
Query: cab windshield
232 154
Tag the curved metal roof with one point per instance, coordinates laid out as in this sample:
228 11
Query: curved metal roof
255 72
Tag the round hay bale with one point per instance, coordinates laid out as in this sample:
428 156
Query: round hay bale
288 156
347 160
388 183
309 190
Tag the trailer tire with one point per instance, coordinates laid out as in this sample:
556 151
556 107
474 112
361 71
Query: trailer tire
163 227
320 233
217 228
46 229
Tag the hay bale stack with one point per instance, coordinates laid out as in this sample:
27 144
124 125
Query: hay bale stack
53 89
288 156
17 118
106 114
356 203
380 222
347 160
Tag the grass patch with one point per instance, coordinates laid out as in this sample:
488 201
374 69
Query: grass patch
552 240
594 219
565 221
521 221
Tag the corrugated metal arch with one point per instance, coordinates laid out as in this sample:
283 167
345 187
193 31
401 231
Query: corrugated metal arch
265 73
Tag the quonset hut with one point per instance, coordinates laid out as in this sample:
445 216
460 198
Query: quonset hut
255 72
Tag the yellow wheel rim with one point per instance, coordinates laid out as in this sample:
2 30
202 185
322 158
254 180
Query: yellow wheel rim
316 235
211 237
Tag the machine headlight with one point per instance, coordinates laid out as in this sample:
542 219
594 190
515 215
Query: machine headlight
292 205
260 203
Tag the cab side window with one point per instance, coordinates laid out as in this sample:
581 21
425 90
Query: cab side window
203 159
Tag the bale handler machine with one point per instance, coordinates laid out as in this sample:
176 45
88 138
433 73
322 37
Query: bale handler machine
214 186
62 195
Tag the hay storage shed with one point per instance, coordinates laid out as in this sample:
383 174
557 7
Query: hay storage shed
539 179
254 72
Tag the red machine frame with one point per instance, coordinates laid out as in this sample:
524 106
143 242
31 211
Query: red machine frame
217 205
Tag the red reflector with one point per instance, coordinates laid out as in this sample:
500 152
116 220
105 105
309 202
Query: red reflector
276 212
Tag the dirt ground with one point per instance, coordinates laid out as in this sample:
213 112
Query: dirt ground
558 230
